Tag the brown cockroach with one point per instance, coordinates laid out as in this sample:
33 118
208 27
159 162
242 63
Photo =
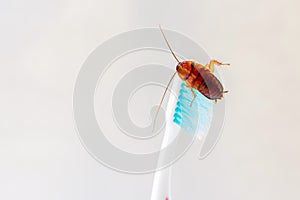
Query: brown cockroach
196 76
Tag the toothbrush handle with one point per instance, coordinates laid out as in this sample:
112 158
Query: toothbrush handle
161 189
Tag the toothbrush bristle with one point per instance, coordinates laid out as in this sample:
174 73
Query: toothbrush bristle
193 119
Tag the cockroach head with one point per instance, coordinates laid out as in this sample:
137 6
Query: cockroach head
183 69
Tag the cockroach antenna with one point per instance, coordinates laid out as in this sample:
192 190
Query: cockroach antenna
168 44
162 99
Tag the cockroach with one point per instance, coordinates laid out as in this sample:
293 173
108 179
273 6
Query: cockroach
196 76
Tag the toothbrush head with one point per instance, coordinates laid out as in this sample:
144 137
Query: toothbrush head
195 118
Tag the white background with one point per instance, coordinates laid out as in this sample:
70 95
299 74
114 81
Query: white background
43 44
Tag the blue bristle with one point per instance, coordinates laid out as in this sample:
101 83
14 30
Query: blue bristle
193 119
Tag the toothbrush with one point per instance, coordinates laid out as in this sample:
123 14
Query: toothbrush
161 183
194 120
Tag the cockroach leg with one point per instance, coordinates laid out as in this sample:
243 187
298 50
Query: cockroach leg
211 64
195 95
